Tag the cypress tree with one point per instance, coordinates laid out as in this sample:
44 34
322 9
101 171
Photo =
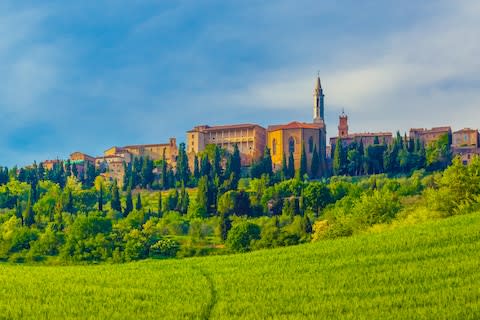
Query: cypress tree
337 158
267 162
196 168
160 208
128 202
115 202
303 162
315 163
183 170
69 206
138 205
284 167
291 166
225 226
29 214
100 199
18 210
202 197
164 177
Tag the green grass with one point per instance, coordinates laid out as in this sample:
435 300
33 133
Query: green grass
427 271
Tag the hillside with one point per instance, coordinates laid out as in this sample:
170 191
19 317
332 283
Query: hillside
422 271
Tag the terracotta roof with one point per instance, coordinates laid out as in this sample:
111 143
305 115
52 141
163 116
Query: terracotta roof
295 125
206 128
435 129
147 145
466 130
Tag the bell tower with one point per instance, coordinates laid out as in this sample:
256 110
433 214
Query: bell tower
343 125
318 100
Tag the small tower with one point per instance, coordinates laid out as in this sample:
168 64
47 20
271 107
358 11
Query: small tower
343 125
318 98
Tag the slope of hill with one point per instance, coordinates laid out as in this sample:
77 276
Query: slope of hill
425 271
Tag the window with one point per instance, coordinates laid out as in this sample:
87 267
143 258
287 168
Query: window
465 138
291 145
274 146
310 145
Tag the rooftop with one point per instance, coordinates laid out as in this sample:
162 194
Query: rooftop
295 125
207 128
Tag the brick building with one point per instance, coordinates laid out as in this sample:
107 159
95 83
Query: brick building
250 139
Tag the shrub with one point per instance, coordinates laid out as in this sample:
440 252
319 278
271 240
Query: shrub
240 237
164 248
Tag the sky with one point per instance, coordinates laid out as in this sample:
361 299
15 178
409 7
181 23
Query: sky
88 75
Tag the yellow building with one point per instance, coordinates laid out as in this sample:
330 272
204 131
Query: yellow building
289 138
250 139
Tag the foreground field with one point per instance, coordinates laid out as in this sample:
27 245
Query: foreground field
426 271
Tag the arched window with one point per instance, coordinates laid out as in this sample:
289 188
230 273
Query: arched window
310 145
274 146
291 145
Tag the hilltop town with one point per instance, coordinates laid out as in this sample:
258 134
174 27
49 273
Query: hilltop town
282 141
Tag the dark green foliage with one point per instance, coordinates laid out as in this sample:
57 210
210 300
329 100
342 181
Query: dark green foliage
241 236
291 166
115 203
128 202
315 166
183 170
303 163
138 205
285 169
29 214
100 199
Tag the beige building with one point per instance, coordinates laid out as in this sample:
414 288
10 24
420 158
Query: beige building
427 136
153 151
289 138
250 139
292 137
466 144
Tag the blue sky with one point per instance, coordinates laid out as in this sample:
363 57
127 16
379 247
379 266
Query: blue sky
86 75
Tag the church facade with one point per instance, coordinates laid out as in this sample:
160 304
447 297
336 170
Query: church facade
291 138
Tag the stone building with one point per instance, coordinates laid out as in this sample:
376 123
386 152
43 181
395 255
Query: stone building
427 136
289 138
113 159
367 138
466 144
250 139
153 151
50 164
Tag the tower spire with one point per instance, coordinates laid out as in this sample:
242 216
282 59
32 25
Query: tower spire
318 97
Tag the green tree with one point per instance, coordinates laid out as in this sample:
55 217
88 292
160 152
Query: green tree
241 236
100 199
303 163
338 163
196 168
128 202
138 205
315 166
115 203
291 166
183 170
284 167
202 197
29 214
160 208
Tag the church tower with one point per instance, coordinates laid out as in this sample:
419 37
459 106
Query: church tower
343 125
318 98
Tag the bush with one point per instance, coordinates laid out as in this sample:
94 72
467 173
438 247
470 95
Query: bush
164 248
240 237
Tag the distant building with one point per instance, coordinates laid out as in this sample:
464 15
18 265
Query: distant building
50 164
289 138
367 138
114 158
250 139
427 136
152 151
466 144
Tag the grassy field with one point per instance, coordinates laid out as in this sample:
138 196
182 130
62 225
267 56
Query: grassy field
428 271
